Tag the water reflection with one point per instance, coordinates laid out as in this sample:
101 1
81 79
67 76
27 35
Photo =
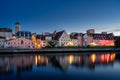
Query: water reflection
62 62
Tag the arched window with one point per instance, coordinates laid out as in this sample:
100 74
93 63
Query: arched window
22 42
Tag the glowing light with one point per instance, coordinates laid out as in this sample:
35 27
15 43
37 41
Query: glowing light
93 58
102 58
71 59
107 57
106 43
37 42
103 43
14 37
113 57
79 58
93 44
36 60
70 43
46 59
39 57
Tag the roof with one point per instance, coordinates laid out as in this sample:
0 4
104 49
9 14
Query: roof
42 37
18 38
115 37
22 33
74 36
102 36
2 37
5 30
17 23
58 35
13 34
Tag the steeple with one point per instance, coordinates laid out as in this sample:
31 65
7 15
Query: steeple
17 27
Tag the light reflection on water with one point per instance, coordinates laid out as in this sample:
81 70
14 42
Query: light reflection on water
69 66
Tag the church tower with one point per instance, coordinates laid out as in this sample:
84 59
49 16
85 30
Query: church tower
17 27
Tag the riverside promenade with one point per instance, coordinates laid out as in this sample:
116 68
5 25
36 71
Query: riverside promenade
59 50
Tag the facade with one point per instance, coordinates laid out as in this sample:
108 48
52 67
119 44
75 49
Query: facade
25 34
21 43
62 38
77 39
6 32
98 39
2 41
43 39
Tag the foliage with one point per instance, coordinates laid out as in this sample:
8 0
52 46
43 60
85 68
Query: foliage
52 43
117 42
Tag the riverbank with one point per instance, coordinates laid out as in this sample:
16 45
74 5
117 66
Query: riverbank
60 50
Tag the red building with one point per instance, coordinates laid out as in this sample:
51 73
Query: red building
98 39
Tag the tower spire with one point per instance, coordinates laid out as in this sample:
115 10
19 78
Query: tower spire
17 27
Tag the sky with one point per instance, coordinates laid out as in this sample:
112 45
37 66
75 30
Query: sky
70 15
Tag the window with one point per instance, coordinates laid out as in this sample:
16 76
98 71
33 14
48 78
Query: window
22 42
43 42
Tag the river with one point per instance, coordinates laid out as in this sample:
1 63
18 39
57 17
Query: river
80 66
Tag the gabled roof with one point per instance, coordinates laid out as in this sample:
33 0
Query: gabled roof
76 35
42 37
58 35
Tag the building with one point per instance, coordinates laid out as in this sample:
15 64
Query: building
98 39
62 38
17 27
90 31
42 40
77 38
2 41
6 32
20 43
25 34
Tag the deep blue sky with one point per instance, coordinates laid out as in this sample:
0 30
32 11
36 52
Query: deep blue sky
70 15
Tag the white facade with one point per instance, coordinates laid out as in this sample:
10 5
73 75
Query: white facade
2 42
7 35
44 43
85 38
48 38
64 39
75 41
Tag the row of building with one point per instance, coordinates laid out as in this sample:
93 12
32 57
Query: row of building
26 39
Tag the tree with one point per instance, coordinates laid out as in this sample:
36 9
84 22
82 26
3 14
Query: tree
117 42
52 43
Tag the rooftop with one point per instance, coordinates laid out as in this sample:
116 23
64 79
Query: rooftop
5 30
